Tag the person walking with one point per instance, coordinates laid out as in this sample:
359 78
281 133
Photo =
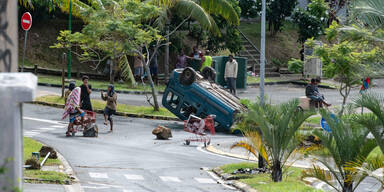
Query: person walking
72 109
181 60
110 108
71 86
230 74
206 61
86 90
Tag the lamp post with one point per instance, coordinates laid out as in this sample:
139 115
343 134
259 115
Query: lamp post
69 50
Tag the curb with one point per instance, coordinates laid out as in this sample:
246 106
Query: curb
95 89
117 113
237 184
289 82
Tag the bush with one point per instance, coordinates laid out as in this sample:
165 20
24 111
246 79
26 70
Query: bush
295 65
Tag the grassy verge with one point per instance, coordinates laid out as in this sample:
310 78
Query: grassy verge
263 182
251 80
30 146
99 104
97 84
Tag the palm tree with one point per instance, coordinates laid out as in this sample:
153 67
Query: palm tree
374 121
346 143
198 10
278 125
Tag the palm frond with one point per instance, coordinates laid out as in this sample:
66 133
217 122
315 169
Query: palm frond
370 12
187 8
222 8
319 174
126 70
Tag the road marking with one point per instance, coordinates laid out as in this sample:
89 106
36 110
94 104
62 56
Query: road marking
204 180
98 175
42 120
31 133
47 128
170 179
134 177
58 126
127 190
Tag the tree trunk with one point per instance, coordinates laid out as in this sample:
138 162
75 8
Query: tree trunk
277 173
166 57
348 187
154 93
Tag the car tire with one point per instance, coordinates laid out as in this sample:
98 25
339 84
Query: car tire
188 76
209 73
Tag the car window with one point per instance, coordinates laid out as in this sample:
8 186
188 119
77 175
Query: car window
173 99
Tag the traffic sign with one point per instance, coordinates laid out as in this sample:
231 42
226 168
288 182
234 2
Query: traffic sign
26 21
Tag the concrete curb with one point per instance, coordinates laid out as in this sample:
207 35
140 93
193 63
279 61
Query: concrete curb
237 184
117 113
75 186
95 89
289 82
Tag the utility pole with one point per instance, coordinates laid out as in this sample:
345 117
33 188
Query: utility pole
166 57
70 29
261 161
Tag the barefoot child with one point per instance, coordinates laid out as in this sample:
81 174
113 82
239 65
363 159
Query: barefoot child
110 109
72 108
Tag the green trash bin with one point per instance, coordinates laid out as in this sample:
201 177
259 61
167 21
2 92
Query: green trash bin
219 65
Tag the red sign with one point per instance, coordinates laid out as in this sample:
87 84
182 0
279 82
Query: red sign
26 21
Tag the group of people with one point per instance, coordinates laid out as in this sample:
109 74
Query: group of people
231 67
139 71
77 99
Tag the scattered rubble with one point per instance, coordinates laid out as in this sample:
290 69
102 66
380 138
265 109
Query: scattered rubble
44 151
251 171
161 132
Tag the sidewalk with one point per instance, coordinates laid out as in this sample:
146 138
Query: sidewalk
29 187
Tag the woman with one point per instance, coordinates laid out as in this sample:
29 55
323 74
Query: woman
72 108
71 86
110 108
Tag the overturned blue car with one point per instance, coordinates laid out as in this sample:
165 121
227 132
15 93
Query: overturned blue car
188 93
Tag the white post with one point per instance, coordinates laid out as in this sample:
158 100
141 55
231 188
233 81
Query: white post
15 88
262 50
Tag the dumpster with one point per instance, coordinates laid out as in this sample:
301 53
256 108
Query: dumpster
219 66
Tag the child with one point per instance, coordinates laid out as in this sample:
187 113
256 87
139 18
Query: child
72 108
110 109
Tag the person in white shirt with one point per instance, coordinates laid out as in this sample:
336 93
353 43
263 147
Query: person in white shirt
230 74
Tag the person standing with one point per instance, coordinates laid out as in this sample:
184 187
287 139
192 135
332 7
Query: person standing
181 60
206 61
86 90
139 70
110 108
230 74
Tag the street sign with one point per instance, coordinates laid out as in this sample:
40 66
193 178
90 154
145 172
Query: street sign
26 21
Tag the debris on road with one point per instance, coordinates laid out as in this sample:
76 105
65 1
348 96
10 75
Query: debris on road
161 132
45 150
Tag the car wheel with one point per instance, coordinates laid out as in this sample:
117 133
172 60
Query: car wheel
188 76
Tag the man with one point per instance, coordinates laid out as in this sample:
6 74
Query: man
86 90
206 61
110 108
139 68
312 92
181 60
230 74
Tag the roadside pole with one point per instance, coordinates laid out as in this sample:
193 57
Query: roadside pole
262 70
63 59
70 29
26 24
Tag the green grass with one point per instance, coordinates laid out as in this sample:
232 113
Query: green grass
230 168
251 80
263 182
97 84
314 120
99 104
30 146
50 176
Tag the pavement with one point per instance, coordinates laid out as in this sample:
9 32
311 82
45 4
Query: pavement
130 158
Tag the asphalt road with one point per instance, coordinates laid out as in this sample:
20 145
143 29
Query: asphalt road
129 159
275 94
